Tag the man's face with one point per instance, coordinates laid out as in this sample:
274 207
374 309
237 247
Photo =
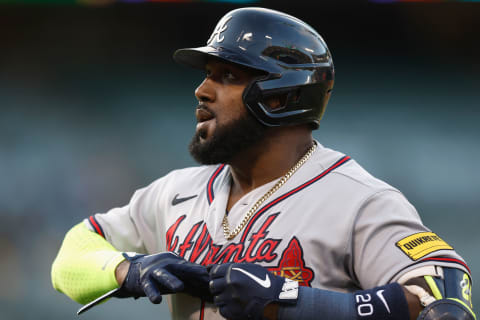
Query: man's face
224 126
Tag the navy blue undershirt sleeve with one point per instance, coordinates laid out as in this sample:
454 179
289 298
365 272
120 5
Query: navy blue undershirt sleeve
387 303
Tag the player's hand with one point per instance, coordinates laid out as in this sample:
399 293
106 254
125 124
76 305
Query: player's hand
242 290
164 273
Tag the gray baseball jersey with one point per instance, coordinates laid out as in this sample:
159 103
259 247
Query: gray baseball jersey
331 225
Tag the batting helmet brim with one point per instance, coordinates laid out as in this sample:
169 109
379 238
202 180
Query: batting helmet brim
198 58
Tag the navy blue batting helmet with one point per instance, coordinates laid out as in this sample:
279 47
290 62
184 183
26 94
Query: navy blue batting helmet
294 57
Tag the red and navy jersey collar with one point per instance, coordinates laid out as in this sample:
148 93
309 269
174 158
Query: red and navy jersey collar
211 181
211 195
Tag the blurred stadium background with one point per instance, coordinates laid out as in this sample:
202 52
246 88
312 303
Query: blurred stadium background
92 107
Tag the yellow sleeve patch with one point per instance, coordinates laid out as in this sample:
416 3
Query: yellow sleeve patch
420 244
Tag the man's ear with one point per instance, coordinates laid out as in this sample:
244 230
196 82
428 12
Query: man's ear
276 102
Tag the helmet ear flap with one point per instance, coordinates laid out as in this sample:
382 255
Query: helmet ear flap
293 97
286 106
252 97
278 100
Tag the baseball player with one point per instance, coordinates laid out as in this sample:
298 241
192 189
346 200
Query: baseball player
273 225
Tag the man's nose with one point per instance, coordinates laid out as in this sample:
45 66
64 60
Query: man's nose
205 92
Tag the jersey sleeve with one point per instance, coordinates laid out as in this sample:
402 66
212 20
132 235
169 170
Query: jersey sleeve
132 228
389 239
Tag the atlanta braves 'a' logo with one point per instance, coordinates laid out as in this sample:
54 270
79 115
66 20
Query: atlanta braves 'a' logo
221 27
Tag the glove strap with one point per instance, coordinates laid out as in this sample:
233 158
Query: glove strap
131 284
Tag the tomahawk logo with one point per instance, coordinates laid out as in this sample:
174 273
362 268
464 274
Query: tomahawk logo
221 27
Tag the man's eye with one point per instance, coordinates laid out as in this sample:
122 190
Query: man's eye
229 75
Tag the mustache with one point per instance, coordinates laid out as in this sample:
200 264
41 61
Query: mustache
204 107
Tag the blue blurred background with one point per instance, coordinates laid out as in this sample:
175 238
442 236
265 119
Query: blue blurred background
92 108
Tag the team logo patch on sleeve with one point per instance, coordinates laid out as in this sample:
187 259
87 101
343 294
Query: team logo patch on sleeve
420 244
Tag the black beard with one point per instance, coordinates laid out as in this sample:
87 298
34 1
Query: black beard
227 141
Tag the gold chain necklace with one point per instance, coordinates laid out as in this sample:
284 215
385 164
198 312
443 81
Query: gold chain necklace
229 235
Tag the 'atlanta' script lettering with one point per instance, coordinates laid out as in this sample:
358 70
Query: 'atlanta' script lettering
199 245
